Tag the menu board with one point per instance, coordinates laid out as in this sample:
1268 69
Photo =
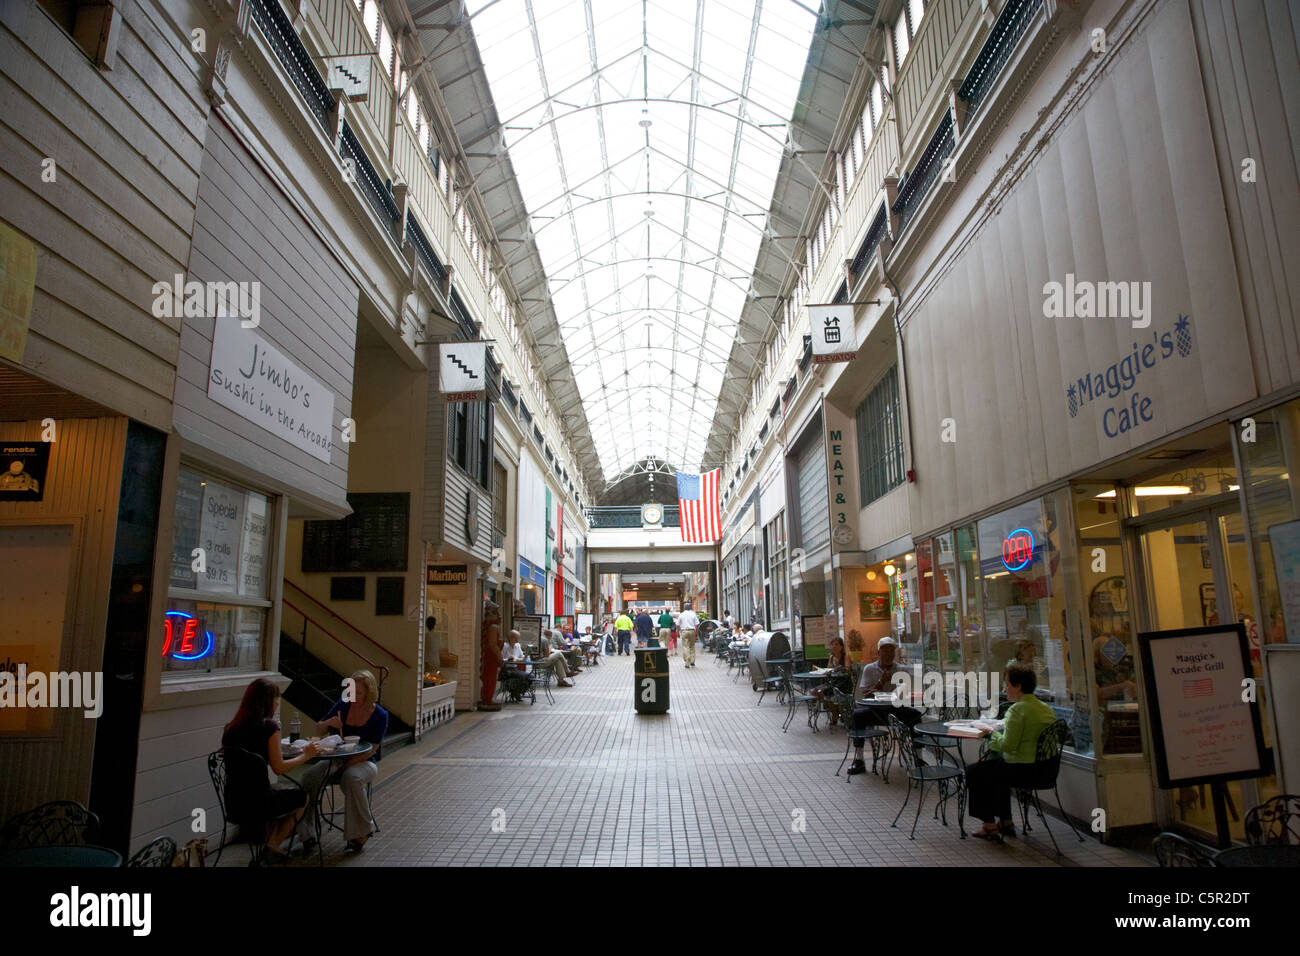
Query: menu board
1285 542
814 637
586 621
1203 731
372 538
529 628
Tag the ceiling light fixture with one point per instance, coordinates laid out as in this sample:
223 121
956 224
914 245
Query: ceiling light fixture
645 122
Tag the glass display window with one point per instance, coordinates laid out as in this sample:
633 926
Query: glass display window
219 592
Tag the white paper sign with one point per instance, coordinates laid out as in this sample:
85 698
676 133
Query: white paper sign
220 530
462 370
254 380
834 337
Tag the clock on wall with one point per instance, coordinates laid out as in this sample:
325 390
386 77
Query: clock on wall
842 534
652 516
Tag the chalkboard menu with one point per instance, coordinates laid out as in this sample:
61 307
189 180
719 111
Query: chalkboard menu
372 538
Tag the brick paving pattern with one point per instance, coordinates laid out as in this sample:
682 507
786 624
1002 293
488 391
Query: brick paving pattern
588 782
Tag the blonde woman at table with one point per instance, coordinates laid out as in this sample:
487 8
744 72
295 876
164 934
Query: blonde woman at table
989 782
364 718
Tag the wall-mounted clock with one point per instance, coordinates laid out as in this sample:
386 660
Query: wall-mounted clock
842 534
652 516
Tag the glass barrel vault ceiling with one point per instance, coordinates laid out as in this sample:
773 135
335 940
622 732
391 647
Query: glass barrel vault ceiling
646 136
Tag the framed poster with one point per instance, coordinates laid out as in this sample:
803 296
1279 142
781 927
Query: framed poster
1202 730
529 627
22 470
873 605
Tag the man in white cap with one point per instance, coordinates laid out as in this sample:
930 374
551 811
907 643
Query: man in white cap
878 676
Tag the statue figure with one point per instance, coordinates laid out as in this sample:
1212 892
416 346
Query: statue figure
492 644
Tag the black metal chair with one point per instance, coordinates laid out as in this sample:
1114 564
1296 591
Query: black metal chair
1042 775
1172 849
948 778
857 739
57 823
1276 820
249 810
742 663
513 685
160 853
794 699
775 682
540 675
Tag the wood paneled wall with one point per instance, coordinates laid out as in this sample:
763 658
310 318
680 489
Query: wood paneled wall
126 146
82 484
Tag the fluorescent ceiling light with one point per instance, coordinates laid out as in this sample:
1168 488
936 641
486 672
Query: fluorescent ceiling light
1155 491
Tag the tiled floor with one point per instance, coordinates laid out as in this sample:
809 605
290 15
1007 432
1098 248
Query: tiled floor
587 781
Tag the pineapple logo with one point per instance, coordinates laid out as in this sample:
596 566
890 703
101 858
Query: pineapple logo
1074 400
1183 330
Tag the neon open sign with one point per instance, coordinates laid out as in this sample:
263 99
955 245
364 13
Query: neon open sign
183 640
1017 549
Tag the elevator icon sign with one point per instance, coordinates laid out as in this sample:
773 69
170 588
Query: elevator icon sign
833 333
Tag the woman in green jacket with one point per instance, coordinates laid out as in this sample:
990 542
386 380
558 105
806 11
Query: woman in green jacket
989 782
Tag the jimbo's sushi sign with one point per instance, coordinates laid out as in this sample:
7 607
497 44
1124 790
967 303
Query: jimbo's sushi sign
254 379
1117 383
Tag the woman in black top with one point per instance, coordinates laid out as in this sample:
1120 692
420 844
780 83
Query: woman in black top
249 796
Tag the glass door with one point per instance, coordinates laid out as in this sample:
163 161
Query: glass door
1187 583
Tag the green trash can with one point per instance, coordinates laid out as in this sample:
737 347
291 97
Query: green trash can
650 680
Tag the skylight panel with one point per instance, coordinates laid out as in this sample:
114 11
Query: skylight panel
623 246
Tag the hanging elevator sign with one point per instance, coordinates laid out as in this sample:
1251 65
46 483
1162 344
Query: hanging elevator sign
834 336
462 371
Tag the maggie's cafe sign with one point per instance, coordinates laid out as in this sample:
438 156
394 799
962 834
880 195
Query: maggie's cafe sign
1120 386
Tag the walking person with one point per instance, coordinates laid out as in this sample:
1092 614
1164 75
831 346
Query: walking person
624 627
666 625
644 628
688 623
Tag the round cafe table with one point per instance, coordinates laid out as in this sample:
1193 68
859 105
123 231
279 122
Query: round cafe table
62 856
1269 854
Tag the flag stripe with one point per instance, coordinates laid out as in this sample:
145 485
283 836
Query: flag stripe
697 499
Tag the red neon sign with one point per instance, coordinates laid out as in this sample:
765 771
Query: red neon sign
1017 549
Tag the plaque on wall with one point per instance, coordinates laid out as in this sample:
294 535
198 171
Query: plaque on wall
372 538
389 596
348 589
22 470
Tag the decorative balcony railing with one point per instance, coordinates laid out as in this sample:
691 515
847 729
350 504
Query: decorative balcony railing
628 516
917 184
368 178
877 232
293 56
424 248
997 50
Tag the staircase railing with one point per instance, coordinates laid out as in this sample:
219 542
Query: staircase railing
382 671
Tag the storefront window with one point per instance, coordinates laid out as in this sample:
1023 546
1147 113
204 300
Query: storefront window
1024 596
929 632
974 639
778 584
218 594
1272 464
1213 475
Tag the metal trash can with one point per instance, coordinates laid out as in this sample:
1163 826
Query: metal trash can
650 680
766 646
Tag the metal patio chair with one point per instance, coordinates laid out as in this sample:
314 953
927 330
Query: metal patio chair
57 823
1276 820
857 738
1173 849
948 778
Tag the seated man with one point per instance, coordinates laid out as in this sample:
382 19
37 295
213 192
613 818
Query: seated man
555 658
513 676
595 645
878 676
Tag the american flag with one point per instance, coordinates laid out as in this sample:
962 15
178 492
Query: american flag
1204 687
697 497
